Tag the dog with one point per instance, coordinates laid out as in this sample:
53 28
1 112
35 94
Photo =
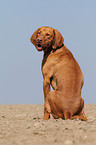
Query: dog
62 72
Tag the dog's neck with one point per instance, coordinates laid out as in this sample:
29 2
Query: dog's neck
51 50
57 48
48 52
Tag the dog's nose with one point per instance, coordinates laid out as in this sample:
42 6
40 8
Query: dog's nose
39 39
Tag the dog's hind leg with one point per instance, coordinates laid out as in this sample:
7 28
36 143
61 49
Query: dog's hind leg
80 113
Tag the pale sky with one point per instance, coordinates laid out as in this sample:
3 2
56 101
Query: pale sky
21 80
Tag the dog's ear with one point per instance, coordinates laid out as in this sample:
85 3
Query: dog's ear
58 39
34 36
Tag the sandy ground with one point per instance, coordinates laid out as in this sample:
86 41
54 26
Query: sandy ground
18 127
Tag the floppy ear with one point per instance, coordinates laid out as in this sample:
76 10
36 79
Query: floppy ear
34 36
58 39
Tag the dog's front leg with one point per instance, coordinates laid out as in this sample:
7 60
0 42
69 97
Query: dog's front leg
46 88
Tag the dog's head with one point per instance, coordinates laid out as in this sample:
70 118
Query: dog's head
46 37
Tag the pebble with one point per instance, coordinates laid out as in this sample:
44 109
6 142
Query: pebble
85 137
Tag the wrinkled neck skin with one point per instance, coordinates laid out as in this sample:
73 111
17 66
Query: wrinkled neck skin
47 51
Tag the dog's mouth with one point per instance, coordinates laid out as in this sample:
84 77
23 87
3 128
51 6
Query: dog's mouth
39 47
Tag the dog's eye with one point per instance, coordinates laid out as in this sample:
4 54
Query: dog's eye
38 32
47 34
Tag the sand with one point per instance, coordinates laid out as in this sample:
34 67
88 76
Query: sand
18 126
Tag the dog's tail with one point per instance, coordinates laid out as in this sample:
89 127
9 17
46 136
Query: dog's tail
79 117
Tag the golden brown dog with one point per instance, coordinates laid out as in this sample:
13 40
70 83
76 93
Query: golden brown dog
62 72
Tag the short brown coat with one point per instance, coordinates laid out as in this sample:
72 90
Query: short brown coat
62 72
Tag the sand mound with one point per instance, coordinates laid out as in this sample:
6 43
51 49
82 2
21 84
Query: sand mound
18 126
